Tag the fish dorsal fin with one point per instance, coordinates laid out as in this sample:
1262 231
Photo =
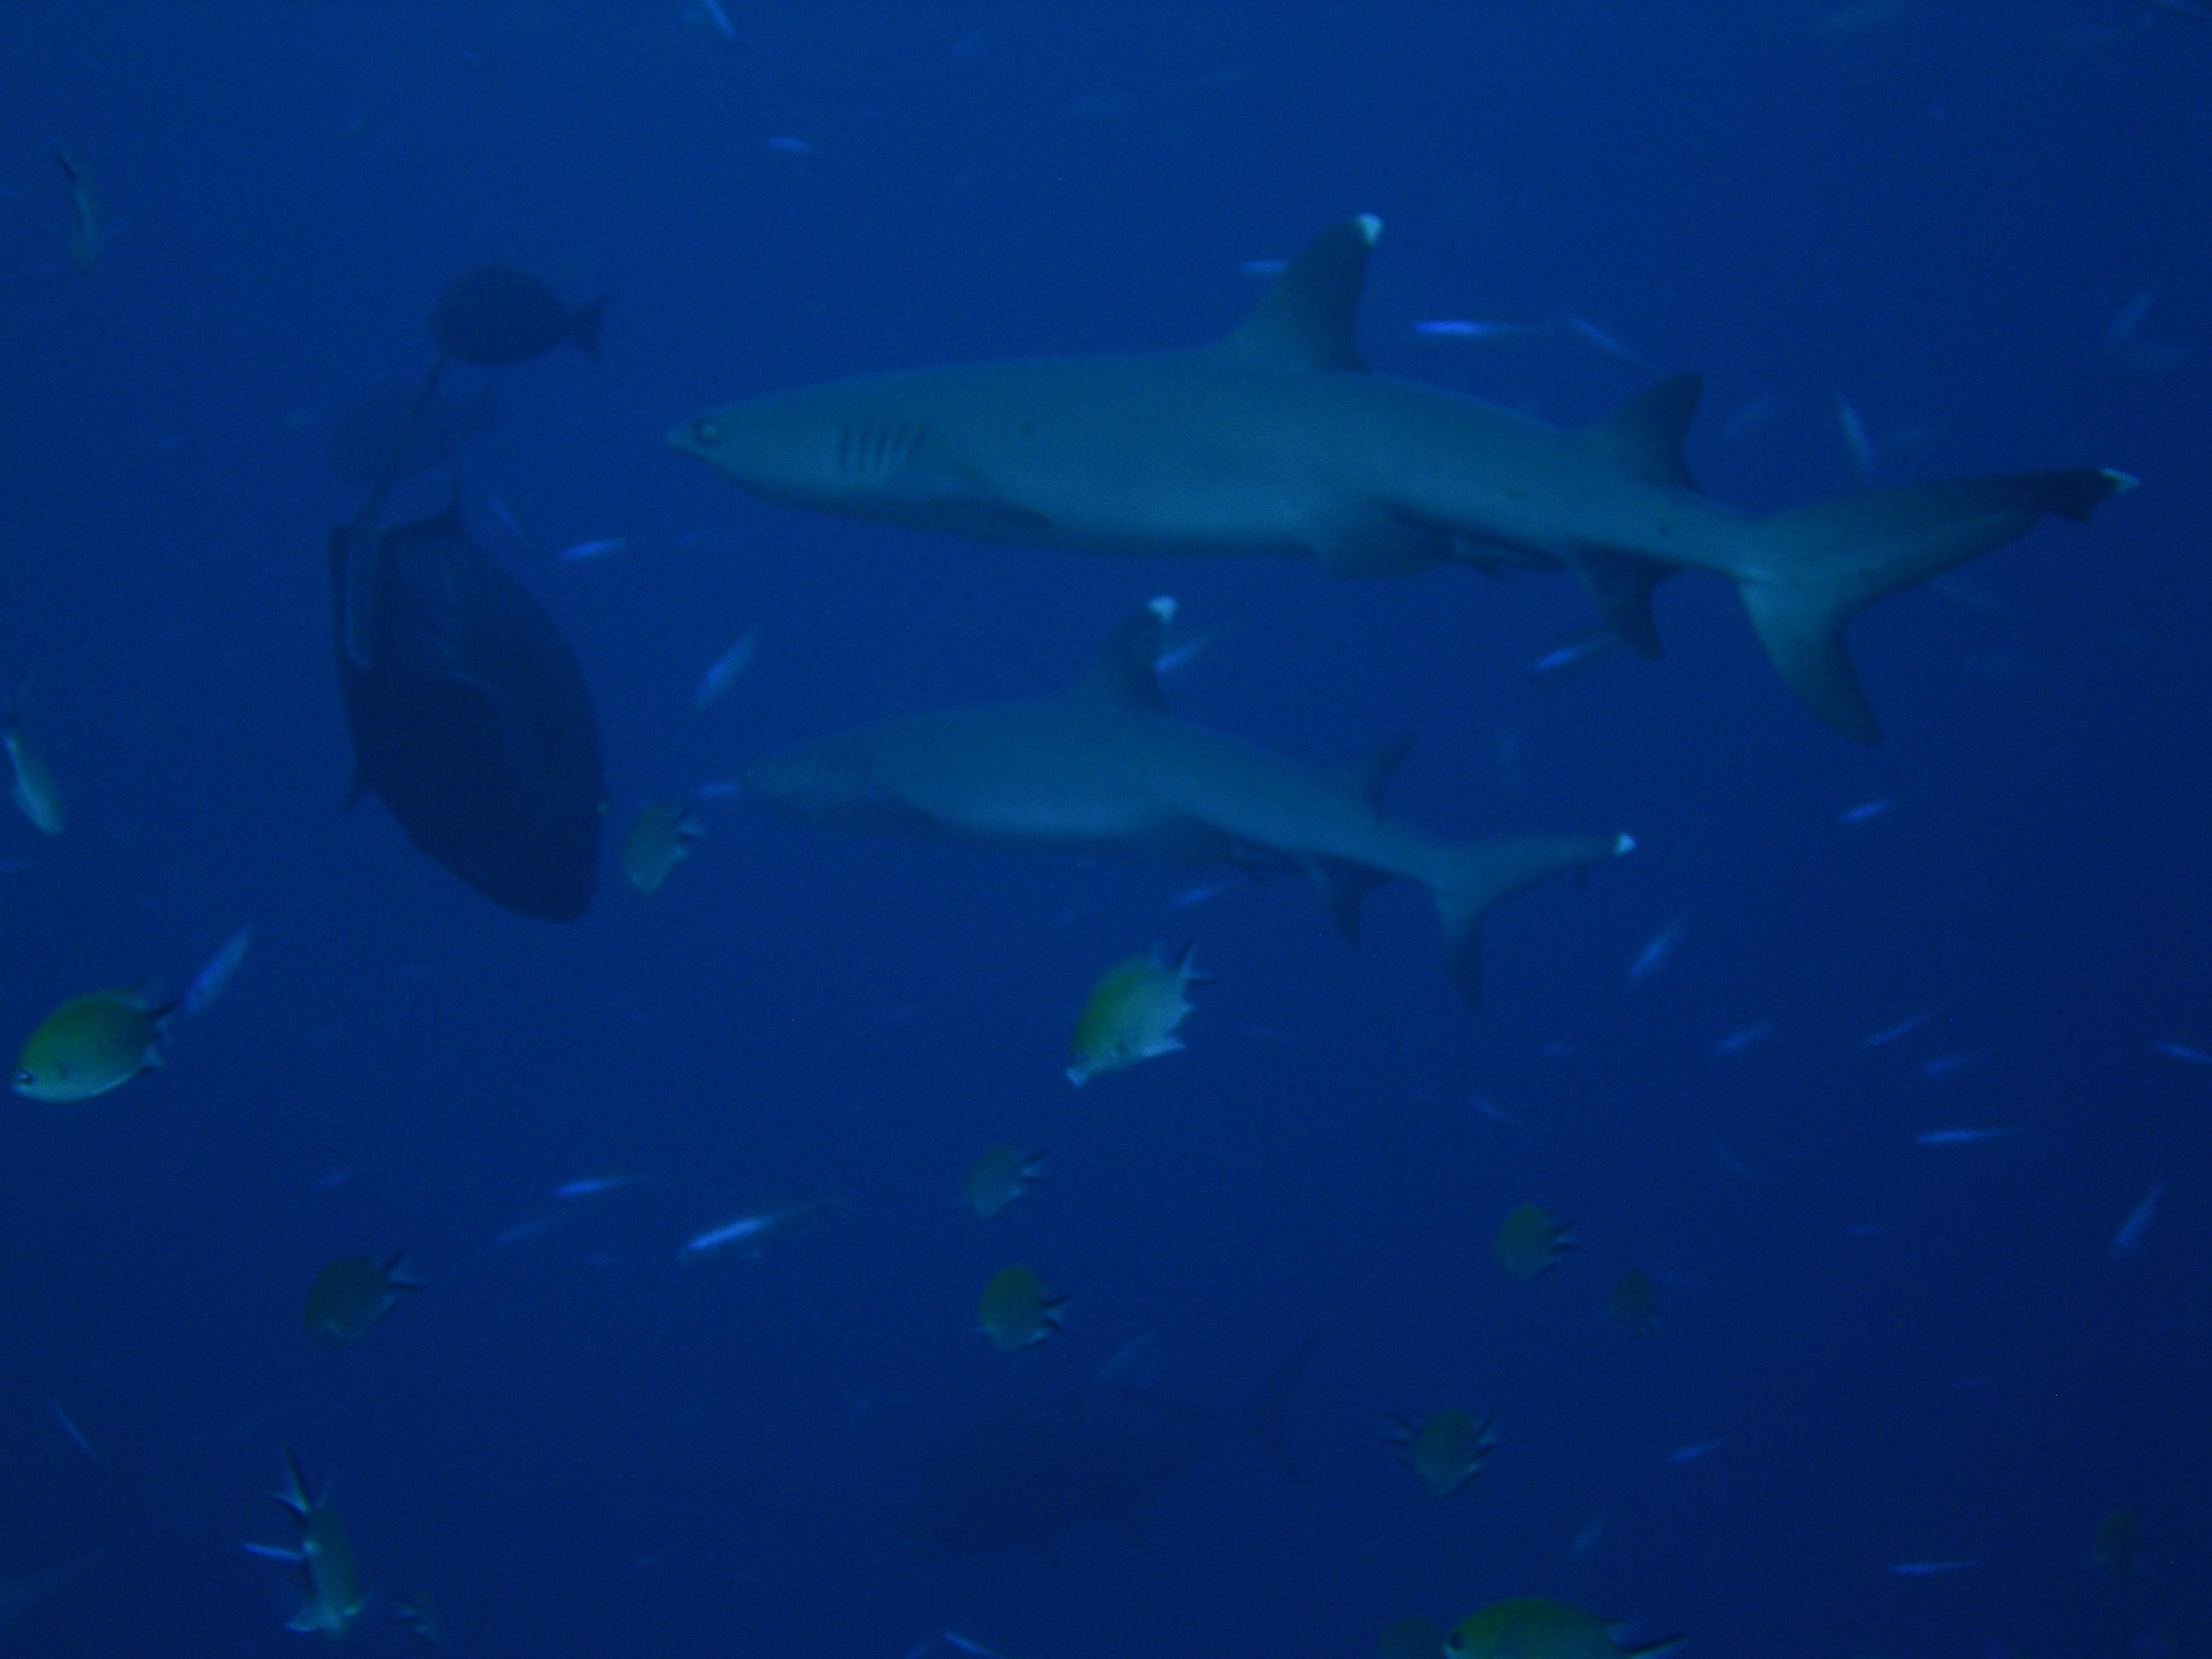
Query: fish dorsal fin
1646 433
1310 317
1126 674
1371 774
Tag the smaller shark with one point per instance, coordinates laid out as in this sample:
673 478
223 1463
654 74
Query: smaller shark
1104 1454
1106 769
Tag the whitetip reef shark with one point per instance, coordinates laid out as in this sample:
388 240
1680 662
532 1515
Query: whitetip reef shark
1276 440
1105 769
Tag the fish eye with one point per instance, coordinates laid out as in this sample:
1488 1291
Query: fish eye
27 1075
707 430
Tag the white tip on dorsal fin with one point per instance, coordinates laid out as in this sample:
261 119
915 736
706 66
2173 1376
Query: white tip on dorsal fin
1164 607
1310 317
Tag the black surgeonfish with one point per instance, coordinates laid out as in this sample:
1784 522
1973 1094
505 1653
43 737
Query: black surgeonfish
470 721
497 316
1103 1453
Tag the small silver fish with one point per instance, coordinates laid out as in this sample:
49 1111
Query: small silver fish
710 13
599 549
591 1186
1653 957
1968 1137
207 984
725 669
1736 1041
1855 441
1577 652
2121 331
1866 810
1890 1033
790 146
1696 1450
1605 342
2130 1238
1460 328
2181 1052
751 1234
1930 1569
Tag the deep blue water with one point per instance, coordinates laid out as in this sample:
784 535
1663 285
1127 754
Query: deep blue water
579 1445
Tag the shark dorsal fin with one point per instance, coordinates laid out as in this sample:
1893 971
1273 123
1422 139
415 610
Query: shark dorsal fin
1646 433
1309 318
1370 775
1126 674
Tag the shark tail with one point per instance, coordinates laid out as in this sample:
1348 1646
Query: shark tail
1263 1419
1480 875
1824 563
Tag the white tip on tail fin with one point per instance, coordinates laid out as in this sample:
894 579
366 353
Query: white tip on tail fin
1481 875
1821 565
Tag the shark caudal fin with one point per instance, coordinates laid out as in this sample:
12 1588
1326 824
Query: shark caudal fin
1479 875
1263 1417
1823 564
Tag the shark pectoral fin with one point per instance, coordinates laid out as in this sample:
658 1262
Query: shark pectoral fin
1821 565
1803 630
1646 434
1344 886
1480 875
1365 539
1126 672
1310 316
924 484
1620 585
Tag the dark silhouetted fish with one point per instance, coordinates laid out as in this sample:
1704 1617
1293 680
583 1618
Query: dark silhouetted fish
470 721
497 316
1104 1453
368 436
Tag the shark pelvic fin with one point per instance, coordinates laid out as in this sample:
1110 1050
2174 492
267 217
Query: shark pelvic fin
1126 673
1620 585
1647 433
1310 316
1344 886
1824 563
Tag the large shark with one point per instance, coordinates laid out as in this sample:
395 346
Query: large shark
1277 440
1106 769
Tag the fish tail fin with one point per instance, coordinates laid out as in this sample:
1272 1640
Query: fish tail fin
1824 563
1263 1421
1480 875
584 330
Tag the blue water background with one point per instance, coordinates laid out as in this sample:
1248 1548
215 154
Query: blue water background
581 1446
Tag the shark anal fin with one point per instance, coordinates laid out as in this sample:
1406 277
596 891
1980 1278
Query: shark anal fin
1371 775
1310 317
1646 434
1126 672
1370 540
1620 585
1344 886
1803 630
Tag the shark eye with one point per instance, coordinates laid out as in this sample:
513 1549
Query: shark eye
707 430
